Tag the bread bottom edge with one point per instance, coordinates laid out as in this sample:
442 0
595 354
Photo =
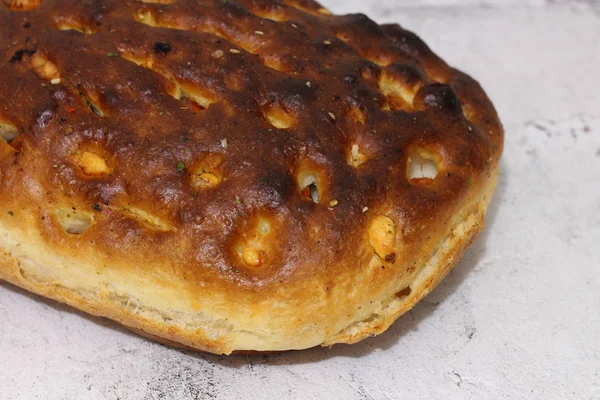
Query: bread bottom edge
463 233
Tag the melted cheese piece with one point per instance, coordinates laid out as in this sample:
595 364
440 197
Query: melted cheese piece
382 236
93 165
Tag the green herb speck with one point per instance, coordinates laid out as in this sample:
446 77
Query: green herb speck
180 167
112 54
97 207
12 214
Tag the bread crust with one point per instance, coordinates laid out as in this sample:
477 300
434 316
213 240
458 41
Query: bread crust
130 190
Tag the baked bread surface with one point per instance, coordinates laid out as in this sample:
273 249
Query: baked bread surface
234 175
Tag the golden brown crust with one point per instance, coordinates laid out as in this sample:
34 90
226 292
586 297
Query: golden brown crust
234 175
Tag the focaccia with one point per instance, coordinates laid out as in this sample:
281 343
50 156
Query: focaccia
248 175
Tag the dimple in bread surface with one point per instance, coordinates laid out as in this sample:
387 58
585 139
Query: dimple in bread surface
241 171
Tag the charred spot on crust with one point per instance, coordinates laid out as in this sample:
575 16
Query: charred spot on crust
162 48
439 96
18 55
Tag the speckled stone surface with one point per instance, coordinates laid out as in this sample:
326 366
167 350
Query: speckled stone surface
518 318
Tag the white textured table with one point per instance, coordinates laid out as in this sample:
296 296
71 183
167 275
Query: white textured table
518 318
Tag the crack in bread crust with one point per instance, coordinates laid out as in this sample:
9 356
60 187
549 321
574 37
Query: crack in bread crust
241 175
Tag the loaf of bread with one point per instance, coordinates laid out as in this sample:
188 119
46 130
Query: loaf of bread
248 175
